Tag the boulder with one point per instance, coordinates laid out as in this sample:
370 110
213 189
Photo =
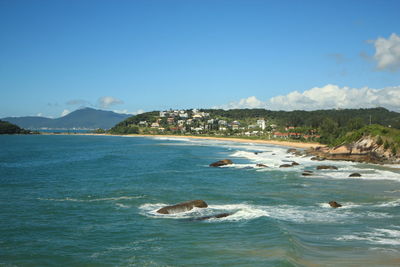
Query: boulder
334 204
221 215
326 167
355 174
182 207
294 163
261 165
285 166
221 163
306 174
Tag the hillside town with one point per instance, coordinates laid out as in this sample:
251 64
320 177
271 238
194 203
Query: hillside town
198 122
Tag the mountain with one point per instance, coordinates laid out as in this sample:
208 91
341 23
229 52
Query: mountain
86 118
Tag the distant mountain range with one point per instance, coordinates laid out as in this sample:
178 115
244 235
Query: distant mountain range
85 118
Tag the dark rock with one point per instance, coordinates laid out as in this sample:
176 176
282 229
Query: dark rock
221 163
286 166
326 167
306 174
356 174
221 215
182 207
334 204
262 165
317 158
294 163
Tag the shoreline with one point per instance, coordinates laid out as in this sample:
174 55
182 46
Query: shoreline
303 145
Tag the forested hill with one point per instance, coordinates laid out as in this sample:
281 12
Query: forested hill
9 128
352 118
301 118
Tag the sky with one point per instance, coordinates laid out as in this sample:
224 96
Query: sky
133 56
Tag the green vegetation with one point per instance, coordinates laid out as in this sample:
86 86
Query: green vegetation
9 128
332 127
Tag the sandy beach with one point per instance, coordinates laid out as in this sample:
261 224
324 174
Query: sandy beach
303 145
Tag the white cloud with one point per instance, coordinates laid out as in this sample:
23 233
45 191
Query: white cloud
326 97
250 102
107 101
387 52
65 112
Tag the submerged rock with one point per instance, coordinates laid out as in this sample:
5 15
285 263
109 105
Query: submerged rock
221 215
326 167
355 174
182 207
334 204
221 163
307 173
317 158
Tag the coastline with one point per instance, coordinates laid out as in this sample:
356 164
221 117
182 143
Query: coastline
292 144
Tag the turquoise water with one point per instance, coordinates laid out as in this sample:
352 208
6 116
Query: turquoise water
91 201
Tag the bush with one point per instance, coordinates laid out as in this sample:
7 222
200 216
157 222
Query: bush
379 141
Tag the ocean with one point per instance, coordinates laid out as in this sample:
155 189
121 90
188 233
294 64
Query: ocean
92 201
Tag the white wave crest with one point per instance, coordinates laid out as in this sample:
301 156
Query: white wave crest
376 236
298 214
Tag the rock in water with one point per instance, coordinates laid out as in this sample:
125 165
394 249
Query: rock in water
294 163
261 165
356 174
221 215
221 163
286 166
334 204
326 167
182 207
306 174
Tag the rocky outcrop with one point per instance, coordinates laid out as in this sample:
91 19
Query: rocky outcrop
221 215
366 149
221 163
334 204
182 207
355 174
326 167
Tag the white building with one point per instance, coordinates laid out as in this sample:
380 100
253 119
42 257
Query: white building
155 125
261 124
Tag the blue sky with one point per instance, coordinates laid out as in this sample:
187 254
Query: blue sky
57 56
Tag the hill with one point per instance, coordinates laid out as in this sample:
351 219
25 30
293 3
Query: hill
86 118
9 128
